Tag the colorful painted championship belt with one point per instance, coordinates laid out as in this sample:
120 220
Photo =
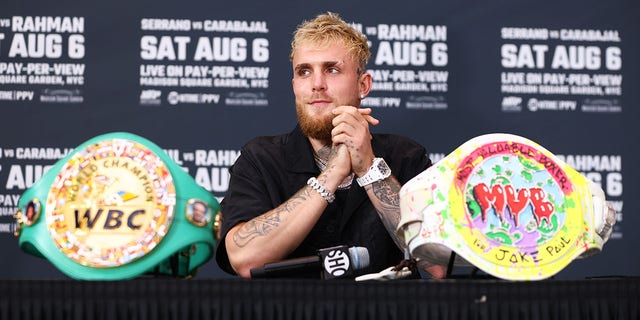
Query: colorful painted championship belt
505 205
118 207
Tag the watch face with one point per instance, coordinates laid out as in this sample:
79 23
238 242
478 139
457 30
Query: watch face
382 167
379 170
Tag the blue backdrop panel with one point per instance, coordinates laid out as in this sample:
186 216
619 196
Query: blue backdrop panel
200 78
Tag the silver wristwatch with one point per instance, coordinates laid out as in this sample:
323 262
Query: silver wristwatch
379 170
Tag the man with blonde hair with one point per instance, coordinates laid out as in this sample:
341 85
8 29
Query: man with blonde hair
328 182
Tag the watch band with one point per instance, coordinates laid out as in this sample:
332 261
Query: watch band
115 208
379 170
505 205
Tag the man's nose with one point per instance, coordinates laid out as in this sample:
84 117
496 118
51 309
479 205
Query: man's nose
319 82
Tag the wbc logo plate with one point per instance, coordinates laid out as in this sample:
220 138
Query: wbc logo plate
111 204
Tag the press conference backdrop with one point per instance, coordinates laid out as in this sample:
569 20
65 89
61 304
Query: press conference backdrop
200 78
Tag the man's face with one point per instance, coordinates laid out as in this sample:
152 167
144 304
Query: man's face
324 77
31 211
199 211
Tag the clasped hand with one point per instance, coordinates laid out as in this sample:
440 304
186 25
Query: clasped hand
351 140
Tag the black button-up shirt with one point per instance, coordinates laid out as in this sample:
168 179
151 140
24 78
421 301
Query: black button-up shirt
272 169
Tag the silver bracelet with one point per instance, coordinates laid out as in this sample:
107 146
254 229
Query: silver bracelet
317 186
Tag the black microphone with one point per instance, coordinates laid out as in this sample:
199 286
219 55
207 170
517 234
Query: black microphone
330 263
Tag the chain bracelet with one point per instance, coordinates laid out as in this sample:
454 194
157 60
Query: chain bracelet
316 185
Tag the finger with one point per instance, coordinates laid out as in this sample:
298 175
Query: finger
342 148
340 139
352 129
366 113
342 129
352 111
371 120
343 109
347 117
354 116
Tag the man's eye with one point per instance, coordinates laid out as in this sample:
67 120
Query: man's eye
303 72
333 70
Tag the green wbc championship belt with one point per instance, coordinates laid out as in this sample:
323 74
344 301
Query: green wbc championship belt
505 205
118 207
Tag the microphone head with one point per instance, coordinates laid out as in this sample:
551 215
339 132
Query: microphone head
359 257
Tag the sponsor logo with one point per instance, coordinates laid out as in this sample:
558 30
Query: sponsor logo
383 102
511 104
61 96
427 102
150 97
256 99
336 263
601 105
175 98
16 95
552 105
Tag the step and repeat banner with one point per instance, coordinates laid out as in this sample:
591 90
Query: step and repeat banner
200 78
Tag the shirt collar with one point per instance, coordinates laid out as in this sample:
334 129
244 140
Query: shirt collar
299 153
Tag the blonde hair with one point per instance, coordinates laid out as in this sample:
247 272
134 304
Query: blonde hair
330 28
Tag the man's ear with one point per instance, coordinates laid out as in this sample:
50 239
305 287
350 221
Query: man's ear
365 82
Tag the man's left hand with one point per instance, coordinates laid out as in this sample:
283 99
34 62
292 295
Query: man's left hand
351 128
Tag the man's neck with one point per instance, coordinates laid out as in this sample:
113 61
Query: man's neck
321 147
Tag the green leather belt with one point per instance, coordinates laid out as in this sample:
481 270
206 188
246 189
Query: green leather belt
118 207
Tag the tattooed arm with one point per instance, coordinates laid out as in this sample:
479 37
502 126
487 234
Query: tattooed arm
351 128
384 196
275 234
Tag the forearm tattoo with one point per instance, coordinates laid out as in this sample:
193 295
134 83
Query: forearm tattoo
387 192
262 225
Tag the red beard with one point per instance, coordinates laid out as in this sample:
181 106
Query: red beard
316 127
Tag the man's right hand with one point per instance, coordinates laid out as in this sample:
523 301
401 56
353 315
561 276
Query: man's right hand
338 167
351 127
